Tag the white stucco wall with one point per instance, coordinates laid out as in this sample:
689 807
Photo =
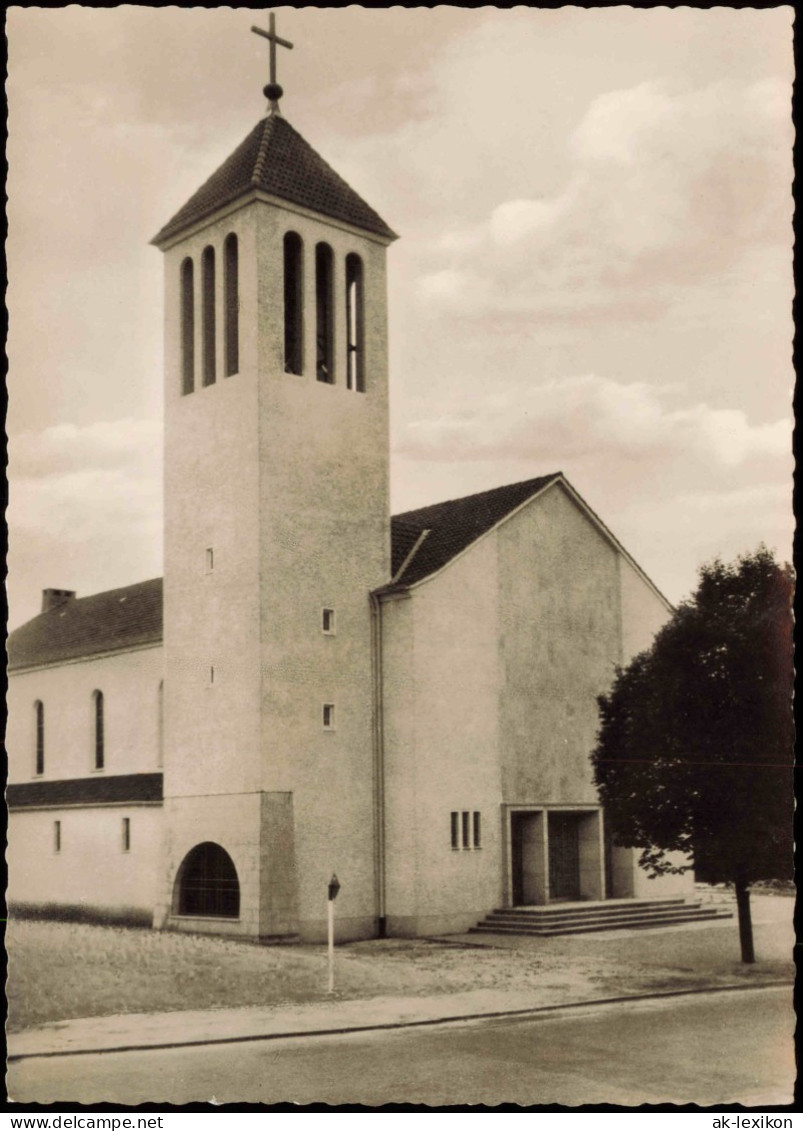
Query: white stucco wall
130 685
92 872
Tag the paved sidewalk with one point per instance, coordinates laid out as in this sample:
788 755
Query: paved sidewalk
160 1030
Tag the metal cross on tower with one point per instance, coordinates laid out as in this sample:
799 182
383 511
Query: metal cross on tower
272 91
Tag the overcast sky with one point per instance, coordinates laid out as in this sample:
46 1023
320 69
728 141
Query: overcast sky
594 273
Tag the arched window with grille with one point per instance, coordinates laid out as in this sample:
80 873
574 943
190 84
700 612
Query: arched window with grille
324 313
39 748
232 305
187 327
355 334
208 340
207 883
293 303
99 726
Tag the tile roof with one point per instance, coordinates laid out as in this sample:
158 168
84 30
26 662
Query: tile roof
119 788
276 159
104 622
454 525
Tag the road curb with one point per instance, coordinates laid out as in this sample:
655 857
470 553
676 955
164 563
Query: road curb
380 1026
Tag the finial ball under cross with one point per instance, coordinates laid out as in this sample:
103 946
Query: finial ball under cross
272 91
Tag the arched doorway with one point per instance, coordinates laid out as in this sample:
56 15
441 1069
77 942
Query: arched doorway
207 883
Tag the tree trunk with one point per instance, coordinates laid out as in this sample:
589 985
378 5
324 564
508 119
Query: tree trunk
743 909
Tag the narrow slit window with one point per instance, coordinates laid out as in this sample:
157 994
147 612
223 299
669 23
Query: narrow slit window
187 327
210 559
328 716
355 349
455 830
39 717
208 315
324 314
231 288
293 304
126 834
328 621
477 831
100 738
466 830
57 836
211 675
160 722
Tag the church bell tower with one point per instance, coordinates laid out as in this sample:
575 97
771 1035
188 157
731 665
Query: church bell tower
276 531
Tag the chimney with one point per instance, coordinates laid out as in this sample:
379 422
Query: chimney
52 598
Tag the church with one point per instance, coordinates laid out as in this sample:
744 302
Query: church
314 686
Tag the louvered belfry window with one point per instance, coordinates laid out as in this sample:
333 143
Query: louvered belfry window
293 304
232 306
355 333
324 313
187 327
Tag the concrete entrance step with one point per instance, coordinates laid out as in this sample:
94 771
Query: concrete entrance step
594 907
595 917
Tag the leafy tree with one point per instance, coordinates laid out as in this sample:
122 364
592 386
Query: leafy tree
694 752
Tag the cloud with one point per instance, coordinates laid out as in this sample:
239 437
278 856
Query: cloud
86 483
595 416
665 189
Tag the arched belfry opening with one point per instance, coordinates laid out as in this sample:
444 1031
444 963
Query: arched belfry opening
207 884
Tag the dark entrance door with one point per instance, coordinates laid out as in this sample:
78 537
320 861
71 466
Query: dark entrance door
564 856
516 828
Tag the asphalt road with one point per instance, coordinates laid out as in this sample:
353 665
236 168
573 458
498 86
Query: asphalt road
712 1049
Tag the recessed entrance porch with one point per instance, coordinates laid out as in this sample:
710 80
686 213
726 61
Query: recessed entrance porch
556 855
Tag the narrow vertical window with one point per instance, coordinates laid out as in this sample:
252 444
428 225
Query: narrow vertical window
187 327
160 723
210 559
57 836
466 831
208 314
211 675
477 831
455 830
39 715
328 622
232 312
126 834
355 374
324 313
293 304
100 751
328 716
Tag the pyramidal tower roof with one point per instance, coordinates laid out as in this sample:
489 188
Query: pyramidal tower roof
275 159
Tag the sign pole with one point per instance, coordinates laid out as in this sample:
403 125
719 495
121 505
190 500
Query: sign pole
331 924
333 889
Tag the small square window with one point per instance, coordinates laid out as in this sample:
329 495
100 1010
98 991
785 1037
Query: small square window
455 830
57 836
126 834
328 716
328 621
477 831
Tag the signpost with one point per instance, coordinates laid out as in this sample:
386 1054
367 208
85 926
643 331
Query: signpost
334 888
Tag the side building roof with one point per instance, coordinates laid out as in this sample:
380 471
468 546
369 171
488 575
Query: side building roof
276 159
450 527
84 626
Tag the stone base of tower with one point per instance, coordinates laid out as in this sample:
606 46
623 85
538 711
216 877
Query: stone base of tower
229 866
